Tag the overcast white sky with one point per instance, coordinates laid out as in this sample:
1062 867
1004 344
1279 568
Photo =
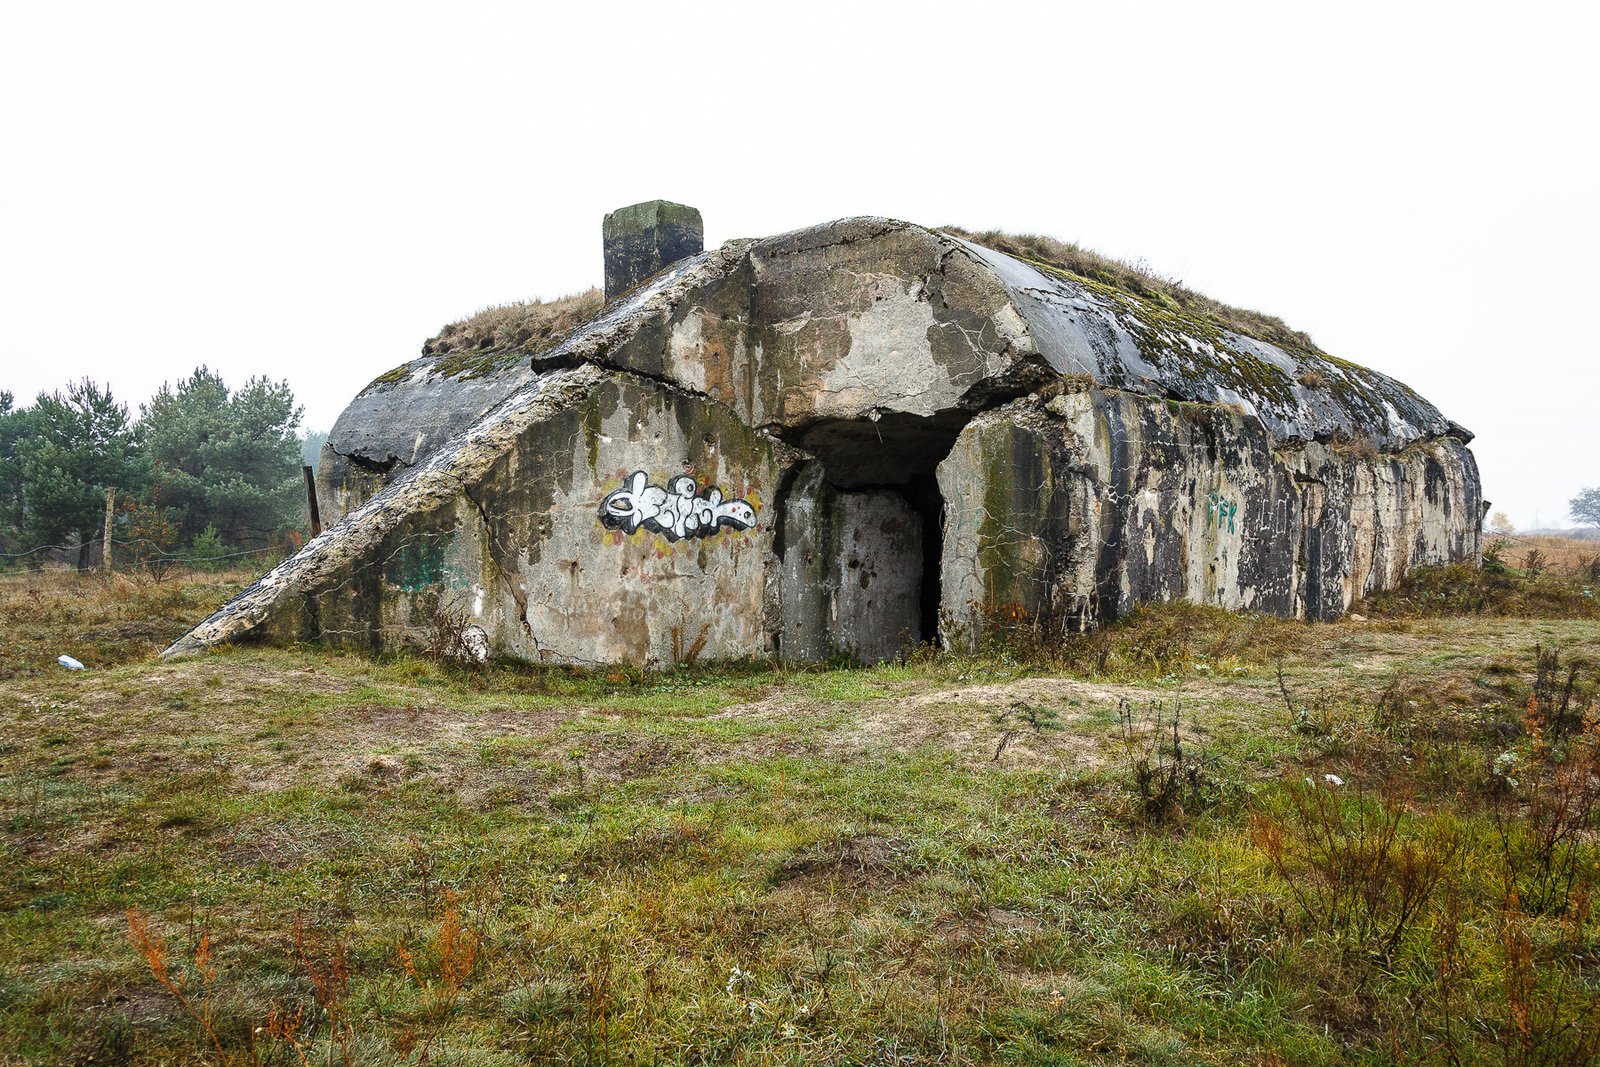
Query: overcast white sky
309 191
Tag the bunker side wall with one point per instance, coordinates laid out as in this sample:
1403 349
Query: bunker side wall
632 526
1068 511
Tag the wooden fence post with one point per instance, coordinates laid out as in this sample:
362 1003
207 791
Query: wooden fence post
311 500
105 543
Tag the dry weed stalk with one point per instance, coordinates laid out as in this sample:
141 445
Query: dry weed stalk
686 657
1172 780
1549 1021
153 947
1546 821
454 953
328 969
450 636
441 975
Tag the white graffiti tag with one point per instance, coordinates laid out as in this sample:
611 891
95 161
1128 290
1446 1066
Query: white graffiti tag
676 511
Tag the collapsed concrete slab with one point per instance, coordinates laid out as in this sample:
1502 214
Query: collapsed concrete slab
852 439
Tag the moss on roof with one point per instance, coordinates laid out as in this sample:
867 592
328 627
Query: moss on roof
499 336
1062 257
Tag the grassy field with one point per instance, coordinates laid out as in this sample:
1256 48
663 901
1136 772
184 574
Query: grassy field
1192 838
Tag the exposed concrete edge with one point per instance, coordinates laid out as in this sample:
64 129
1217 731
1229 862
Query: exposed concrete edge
463 461
574 370
1117 341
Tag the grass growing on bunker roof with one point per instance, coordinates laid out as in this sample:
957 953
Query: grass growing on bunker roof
1140 281
527 326
503 334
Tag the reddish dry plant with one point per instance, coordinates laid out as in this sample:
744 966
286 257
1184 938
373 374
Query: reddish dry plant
327 967
598 1001
284 1027
1551 1016
686 657
442 977
153 947
1546 824
454 954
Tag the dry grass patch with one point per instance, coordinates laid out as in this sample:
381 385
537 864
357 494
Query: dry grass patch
1028 722
1570 557
530 326
51 612
856 860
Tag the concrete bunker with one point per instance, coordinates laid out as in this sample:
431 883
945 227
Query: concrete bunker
856 438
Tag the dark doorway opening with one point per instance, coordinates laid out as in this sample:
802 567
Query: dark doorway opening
922 493
861 538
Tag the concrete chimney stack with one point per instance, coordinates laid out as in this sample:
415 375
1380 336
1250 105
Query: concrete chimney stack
642 239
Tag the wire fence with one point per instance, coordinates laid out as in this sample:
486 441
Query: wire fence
1529 539
153 553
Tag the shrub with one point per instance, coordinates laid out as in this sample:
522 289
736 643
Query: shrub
1460 589
1153 640
1552 1017
207 551
1360 867
1494 556
1549 807
1545 822
453 637
1558 707
1172 781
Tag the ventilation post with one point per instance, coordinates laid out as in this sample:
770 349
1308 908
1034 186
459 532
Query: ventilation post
644 239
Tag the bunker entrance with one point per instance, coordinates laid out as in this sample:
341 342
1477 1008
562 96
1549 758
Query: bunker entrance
861 538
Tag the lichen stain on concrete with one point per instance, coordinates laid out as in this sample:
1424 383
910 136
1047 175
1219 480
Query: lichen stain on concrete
852 438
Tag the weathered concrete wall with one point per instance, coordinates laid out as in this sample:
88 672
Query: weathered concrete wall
628 524
400 419
583 567
1069 511
1092 451
819 332
1088 330
816 334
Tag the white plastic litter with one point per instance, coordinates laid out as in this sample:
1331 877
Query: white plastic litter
69 663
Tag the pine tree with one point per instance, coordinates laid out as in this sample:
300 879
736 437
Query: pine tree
225 460
77 446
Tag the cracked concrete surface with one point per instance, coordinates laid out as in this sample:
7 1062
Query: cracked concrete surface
984 443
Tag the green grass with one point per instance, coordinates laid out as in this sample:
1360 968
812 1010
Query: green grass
941 861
